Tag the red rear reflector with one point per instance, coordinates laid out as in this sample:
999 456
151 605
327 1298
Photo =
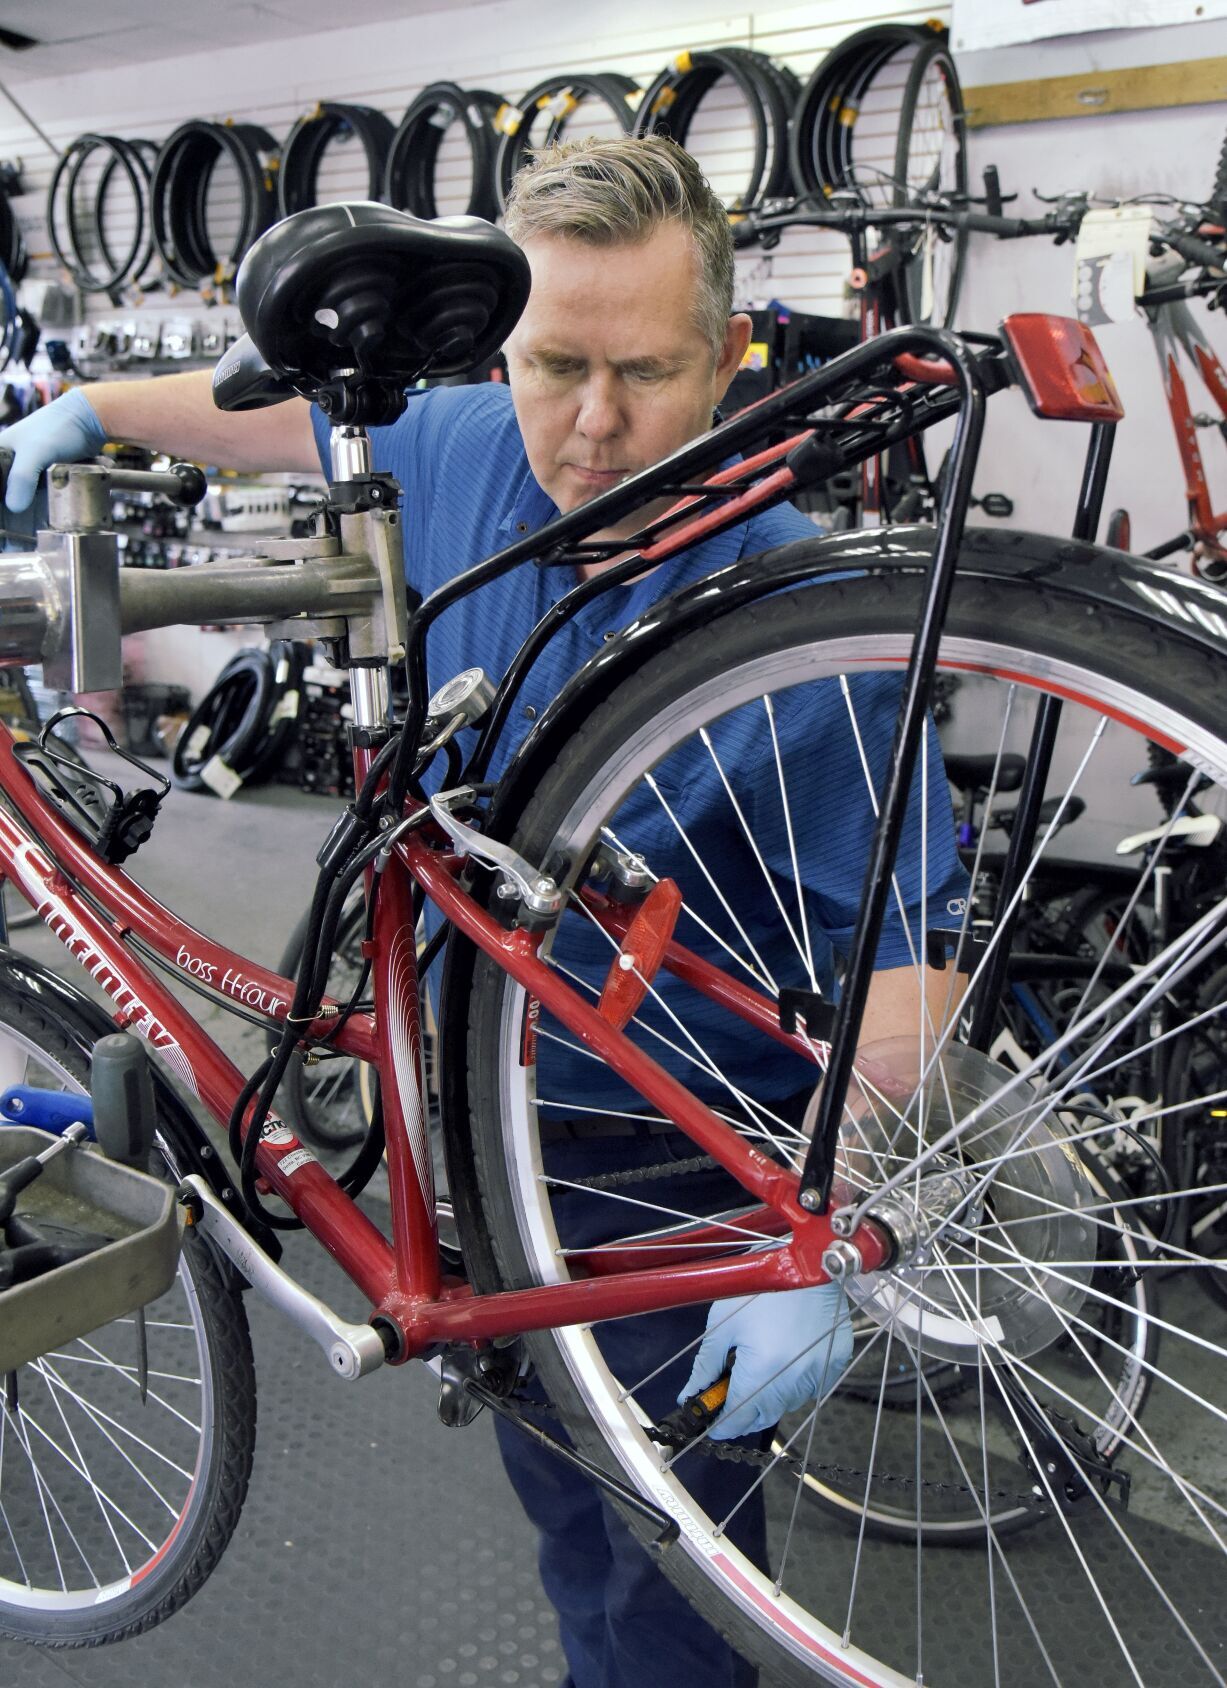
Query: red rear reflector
1061 368
640 954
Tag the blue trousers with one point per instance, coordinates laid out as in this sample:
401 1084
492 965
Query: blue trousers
622 1623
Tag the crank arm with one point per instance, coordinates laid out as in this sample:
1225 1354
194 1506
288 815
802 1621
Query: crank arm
611 1485
352 1350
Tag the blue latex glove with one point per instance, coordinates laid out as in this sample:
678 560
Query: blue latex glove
64 431
787 1333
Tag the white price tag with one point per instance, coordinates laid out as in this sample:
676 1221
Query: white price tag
220 777
285 710
926 277
198 743
1104 290
1105 232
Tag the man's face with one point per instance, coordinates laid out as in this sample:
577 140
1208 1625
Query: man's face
609 370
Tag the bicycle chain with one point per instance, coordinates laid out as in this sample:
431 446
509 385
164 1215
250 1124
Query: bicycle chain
763 1457
644 1174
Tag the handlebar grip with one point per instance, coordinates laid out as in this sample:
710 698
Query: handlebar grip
1196 251
1009 228
992 190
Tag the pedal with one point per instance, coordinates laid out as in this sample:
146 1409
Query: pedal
495 1369
115 822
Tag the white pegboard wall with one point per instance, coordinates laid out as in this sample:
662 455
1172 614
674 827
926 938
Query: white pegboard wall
503 47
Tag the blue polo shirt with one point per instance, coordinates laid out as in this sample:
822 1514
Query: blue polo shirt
468 492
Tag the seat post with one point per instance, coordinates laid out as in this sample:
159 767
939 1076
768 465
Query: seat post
350 448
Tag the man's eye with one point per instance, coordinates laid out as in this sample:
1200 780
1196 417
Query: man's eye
560 371
647 377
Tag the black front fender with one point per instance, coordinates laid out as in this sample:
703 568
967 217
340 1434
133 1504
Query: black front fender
1060 567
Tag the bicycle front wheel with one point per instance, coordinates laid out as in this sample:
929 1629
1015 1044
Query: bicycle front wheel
115 1506
1004 1390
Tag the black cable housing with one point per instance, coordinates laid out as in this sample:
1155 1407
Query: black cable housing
409 177
302 154
179 193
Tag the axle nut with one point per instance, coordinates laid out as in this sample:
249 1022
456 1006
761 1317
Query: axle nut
842 1260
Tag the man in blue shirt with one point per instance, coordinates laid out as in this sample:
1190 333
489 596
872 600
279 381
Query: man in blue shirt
627 345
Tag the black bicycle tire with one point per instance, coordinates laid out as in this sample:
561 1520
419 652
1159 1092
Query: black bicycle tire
1134 648
1218 193
669 104
814 104
118 270
13 251
838 123
301 155
144 152
933 53
64 179
193 1552
179 192
409 175
610 87
237 714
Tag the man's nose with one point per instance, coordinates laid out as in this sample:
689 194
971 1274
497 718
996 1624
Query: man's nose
600 415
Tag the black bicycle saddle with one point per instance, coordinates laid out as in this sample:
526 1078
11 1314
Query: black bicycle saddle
350 304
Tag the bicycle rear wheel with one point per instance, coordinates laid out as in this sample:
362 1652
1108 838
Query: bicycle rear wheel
1042 1303
114 1510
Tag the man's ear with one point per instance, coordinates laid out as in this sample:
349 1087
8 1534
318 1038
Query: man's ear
736 342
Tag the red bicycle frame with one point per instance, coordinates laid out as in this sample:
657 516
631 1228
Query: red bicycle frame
1175 328
97 911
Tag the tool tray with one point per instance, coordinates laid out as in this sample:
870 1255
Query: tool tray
84 1190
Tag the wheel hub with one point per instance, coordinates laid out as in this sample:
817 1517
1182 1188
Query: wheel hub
993 1251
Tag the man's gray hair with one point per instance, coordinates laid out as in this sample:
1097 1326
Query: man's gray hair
609 192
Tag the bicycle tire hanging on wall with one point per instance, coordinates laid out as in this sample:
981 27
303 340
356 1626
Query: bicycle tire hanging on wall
179 194
768 90
556 99
410 178
303 152
245 721
13 254
882 119
79 234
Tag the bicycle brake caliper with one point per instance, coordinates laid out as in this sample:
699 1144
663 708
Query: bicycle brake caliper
538 899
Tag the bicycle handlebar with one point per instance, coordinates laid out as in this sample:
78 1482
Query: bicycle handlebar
1196 251
1060 224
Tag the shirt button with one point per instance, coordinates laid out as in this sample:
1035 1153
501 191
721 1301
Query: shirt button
530 714
521 527
612 634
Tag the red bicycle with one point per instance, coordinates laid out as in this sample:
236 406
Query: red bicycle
998 1282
